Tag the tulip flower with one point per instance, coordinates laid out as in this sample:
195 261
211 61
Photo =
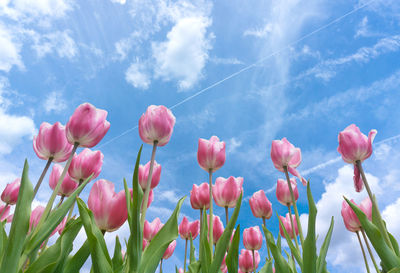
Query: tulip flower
286 157
36 214
68 185
283 192
10 193
211 154
246 260
156 125
226 191
150 229
61 226
199 196
4 213
223 266
260 205
51 142
218 228
109 208
85 164
288 226
350 219
252 238
144 173
366 207
170 250
145 243
87 126
187 228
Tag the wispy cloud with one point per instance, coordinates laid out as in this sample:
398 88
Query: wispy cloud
259 32
55 102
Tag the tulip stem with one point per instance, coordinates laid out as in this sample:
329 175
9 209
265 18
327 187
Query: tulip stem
201 229
161 266
296 212
266 241
369 250
4 209
148 185
210 217
254 261
227 215
61 200
184 262
363 252
42 176
375 207
71 210
293 229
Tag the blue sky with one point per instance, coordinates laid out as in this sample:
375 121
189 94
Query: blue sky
301 70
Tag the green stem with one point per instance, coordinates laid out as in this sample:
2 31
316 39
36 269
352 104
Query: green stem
210 217
184 262
293 229
266 241
71 210
61 200
227 215
148 184
363 252
161 265
375 207
42 176
369 250
296 212
254 262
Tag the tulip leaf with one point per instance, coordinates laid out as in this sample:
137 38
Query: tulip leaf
11 258
292 247
194 267
224 240
155 250
117 260
281 264
267 268
204 245
232 258
101 260
309 246
75 263
395 244
192 258
3 238
278 242
395 270
388 256
321 263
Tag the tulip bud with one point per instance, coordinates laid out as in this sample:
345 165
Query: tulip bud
144 174
156 124
109 208
170 250
200 196
288 226
218 227
52 143
350 218
68 185
187 228
246 260
211 154
150 229
85 164
284 154
87 125
283 192
226 191
10 193
260 205
252 238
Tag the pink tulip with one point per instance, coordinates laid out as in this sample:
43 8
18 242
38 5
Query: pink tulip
150 229
284 154
252 238
260 205
87 125
180 270
366 207
288 225
109 208
52 143
144 244
226 191
9 217
10 193
187 228
200 196
355 146
218 227
223 266
86 163
150 200
144 174
156 124
350 218
246 260
68 185
61 226
36 214
4 212
283 192
170 250
211 154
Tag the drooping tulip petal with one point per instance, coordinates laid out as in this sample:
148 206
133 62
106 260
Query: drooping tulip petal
211 154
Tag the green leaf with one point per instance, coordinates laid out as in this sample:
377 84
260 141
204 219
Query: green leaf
267 268
192 258
3 238
101 260
75 263
388 256
224 240
232 258
394 244
321 263
292 247
278 242
280 262
12 259
395 270
155 250
309 247
204 245
194 267
117 260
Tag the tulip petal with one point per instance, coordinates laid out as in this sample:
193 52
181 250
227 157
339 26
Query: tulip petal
358 183
297 174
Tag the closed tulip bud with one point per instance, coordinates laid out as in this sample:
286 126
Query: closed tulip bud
109 208
283 192
4 212
260 205
144 174
150 229
200 196
252 238
355 146
211 154
218 227
246 260
226 191
170 250
156 124
85 164
285 154
350 218
87 125
68 185
52 143
10 193
288 226
187 228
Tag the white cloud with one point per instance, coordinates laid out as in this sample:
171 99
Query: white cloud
362 28
55 102
38 8
122 2
218 60
233 144
138 76
183 56
59 42
259 32
168 195
9 50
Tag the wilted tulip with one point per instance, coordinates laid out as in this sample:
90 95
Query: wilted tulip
199 196
187 228
260 205
211 154
87 125
218 227
246 260
170 250
288 225
283 192
85 164
150 229
10 193
252 238
226 191
68 185
144 174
